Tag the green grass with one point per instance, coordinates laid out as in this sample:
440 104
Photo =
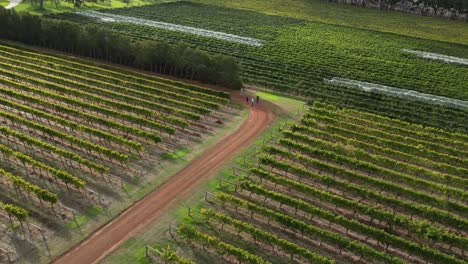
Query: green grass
178 154
4 2
132 251
50 8
137 256
89 214
322 11
268 96
289 105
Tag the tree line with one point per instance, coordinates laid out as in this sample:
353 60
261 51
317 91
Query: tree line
92 41
460 5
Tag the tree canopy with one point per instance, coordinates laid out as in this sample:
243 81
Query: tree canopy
91 41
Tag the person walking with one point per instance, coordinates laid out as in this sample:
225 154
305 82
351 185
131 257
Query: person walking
253 101
258 99
247 99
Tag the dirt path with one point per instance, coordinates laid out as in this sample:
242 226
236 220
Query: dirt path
110 236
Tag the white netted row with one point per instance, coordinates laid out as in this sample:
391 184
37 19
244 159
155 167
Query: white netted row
436 56
174 27
402 93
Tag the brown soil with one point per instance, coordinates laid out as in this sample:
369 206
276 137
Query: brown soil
110 236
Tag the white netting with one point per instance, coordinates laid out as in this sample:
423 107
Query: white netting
436 56
403 93
174 27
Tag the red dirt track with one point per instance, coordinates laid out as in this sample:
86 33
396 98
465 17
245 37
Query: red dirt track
110 236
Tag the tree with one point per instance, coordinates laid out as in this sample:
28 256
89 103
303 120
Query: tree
90 40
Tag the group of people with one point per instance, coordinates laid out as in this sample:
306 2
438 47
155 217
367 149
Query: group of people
252 99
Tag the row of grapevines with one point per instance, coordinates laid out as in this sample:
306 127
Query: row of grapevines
412 111
420 229
388 143
388 176
350 224
377 159
403 127
352 123
90 90
322 234
65 122
92 118
59 174
63 136
374 149
454 140
48 147
108 112
424 211
170 256
73 73
91 97
180 87
19 182
267 237
20 213
191 233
